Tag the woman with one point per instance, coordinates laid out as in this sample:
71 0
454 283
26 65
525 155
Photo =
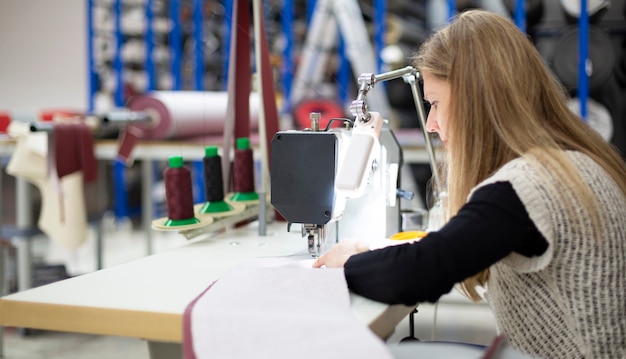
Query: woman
536 201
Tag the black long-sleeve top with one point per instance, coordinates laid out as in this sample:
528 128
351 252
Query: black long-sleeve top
491 225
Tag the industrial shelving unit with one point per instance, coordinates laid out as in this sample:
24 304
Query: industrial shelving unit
137 46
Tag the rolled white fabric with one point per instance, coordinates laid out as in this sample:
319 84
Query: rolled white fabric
598 117
178 114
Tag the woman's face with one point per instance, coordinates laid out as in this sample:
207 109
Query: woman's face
437 94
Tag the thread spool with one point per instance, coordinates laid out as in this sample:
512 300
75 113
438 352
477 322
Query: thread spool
178 194
598 116
404 30
601 59
243 172
213 183
5 121
595 10
327 108
533 9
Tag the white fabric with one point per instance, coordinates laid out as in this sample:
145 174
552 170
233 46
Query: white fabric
63 215
268 310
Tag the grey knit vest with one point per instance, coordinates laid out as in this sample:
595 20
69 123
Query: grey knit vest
570 302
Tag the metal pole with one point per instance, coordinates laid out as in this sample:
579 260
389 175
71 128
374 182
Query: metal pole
117 61
147 211
287 15
380 16
150 70
520 15
175 44
198 20
421 115
584 64
451 9
23 245
2 264
91 83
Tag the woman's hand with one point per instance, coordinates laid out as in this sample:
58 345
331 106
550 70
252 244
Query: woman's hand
339 254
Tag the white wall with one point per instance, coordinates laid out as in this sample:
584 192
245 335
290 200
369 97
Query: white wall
43 55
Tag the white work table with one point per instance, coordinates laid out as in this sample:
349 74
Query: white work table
146 298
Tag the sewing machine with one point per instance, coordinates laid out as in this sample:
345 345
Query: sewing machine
343 182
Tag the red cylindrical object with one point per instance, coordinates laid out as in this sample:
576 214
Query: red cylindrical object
243 167
5 120
178 190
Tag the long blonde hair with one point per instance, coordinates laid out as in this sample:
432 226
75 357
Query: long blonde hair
505 103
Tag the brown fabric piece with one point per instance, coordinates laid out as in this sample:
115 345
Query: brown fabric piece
74 150
240 86
126 143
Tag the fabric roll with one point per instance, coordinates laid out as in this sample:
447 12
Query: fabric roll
178 114
327 108
601 56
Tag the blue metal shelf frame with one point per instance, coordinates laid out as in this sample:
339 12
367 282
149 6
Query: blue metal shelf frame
198 20
288 68
91 73
175 44
520 15
117 61
287 71
149 39
451 9
380 14
228 25
583 58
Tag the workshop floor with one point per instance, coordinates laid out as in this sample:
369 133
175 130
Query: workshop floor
456 318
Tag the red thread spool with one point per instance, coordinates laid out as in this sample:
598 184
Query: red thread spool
5 121
327 108
243 172
178 193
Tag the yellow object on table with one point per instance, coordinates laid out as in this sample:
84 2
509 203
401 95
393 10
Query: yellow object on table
403 236
398 239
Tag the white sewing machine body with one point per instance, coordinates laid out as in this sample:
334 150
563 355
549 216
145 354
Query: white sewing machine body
344 184
339 184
